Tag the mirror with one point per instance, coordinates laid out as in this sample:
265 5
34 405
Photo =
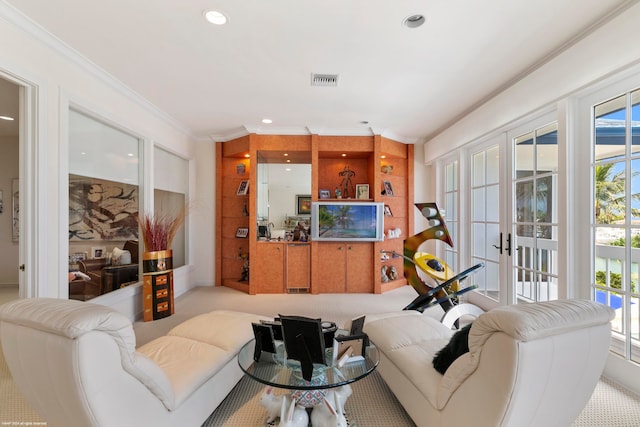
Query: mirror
282 178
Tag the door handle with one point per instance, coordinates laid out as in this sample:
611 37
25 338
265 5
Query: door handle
499 247
509 244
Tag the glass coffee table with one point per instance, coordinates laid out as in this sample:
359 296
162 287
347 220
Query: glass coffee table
274 370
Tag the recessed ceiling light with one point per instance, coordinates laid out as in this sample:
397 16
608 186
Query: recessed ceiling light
344 155
215 17
383 156
267 121
247 155
414 21
6 118
285 154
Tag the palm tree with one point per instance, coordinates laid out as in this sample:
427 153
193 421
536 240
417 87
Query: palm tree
609 194
344 216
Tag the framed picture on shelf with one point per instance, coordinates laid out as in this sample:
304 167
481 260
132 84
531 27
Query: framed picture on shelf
362 191
303 204
387 210
325 194
98 252
242 232
388 188
79 256
243 188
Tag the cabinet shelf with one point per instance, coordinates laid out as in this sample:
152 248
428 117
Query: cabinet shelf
352 267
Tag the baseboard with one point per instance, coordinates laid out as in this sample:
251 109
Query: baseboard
623 372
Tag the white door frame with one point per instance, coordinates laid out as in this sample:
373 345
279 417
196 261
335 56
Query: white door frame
30 176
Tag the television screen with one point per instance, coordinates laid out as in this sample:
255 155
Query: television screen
347 221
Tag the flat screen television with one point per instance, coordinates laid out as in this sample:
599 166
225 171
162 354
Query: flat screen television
347 221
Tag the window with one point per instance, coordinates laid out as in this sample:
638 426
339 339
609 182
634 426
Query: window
171 179
451 194
616 216
104 201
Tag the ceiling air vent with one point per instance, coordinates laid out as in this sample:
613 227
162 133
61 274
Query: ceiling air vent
324 79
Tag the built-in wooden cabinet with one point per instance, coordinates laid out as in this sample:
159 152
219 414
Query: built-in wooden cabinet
319 267
345 267
270 259
298 267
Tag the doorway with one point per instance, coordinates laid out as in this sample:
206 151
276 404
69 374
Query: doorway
9 174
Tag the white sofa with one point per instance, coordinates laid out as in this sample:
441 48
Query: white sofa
527 365
77 365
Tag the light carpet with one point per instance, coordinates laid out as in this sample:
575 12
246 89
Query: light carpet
372 403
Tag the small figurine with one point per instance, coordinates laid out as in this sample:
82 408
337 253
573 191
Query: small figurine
338 193
245 266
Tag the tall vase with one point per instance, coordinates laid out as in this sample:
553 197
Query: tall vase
157 284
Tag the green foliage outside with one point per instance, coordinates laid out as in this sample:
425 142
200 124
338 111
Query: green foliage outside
635 241
615 280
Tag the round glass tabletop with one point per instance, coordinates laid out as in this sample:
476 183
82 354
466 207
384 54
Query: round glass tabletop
275 370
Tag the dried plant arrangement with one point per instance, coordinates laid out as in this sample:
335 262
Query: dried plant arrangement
159 229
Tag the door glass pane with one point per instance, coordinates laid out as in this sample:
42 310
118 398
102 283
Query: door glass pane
478 195
479 239
451 176
609 192
451 206
610 129
525 210
524 155
493 165
547 148
478 169
493 200
635 121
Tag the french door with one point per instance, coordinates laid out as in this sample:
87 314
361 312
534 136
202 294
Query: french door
486 220
512 215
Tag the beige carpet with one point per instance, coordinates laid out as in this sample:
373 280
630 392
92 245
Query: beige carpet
372 404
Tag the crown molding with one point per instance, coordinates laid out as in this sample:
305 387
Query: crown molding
15 17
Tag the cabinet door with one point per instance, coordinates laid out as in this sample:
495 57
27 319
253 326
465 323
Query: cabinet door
270 262
359 267
297 266
332 268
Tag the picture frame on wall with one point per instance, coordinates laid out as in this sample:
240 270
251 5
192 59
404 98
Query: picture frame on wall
15 214
387 210
362 191
325 194
242 232
303 204
243 188
388 188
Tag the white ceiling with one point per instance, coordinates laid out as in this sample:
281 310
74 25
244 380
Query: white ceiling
407 84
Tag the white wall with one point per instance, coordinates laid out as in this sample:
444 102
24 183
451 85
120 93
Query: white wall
609 49
62 78
8 249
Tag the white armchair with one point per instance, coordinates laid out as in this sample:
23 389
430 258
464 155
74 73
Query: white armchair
527 365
